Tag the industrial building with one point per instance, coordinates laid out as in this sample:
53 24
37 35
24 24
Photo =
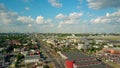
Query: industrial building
79 60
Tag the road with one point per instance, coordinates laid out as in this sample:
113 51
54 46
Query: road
57 61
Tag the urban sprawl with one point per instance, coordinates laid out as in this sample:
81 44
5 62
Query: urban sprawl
59 50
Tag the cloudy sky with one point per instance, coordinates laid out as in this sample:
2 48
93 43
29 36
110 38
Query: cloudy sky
60 16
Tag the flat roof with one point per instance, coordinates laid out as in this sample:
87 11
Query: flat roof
86 62
75 55
94 66
32 57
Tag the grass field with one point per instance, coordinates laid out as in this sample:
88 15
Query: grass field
106 37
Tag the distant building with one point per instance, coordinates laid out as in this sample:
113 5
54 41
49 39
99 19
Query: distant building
72 36
114 42
112 50
81 46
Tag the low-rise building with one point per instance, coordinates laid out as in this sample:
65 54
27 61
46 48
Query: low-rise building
32 58
81 46
2 60
79 60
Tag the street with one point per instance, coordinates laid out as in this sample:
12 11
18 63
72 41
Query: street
57 61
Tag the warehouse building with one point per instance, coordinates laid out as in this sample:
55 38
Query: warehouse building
79 60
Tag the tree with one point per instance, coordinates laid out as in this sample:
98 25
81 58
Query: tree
46 66
19 57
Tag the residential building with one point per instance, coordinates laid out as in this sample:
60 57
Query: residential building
2 60
32 58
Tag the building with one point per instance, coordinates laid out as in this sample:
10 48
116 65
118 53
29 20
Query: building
114 42
81 46
32 58
69 63
79 60
2 61
112 50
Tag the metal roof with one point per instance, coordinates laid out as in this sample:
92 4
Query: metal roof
86 62
94 66
32 57
75 55
83 61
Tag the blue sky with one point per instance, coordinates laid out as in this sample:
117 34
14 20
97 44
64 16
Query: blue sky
60 16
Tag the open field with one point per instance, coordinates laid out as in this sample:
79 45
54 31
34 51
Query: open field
106 37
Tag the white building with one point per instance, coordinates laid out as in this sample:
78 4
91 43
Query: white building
81 46
33 58
63 56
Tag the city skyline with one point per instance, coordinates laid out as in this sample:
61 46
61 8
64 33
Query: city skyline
60 16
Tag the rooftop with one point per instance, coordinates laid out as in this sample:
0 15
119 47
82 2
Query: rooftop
32 57
84 61
75 55
94 66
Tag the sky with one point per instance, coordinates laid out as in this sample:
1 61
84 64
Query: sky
60 16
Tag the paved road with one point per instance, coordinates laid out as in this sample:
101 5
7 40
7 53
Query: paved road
57 61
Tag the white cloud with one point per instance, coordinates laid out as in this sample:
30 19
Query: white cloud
25 19
72 18
75 15
2 7
27 8
68 22
29 25
55 3
101 20
6 16
51 25
29 19
107 14
60 16
60 25
9 20
40 20
98 4
108 18
47 21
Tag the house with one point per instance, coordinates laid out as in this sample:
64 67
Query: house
1 48
114 42
17 49
24 53
2 60
112 50
81 46
32 58
111 54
